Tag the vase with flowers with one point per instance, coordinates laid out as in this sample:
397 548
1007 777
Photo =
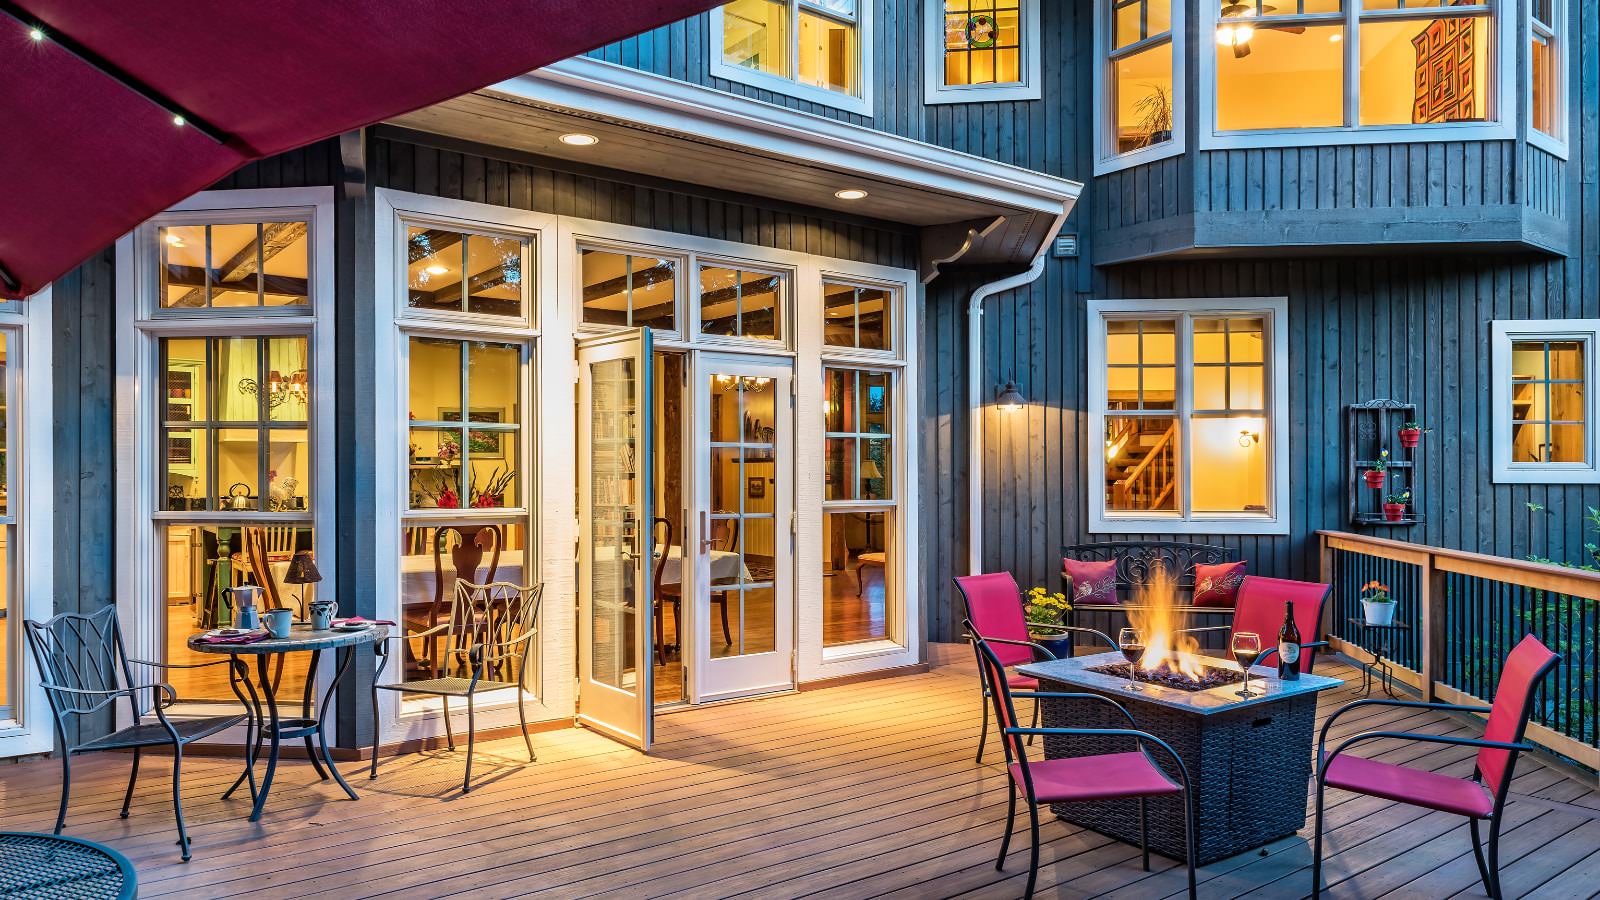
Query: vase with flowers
1411 434
1378 472
1394 505
1046 616
1377 604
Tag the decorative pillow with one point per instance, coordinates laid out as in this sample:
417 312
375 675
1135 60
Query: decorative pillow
1218 585
1092 582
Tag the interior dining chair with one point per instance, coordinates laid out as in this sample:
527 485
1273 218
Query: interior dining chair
1258 609
1482 797
1129 775
660 550
994 613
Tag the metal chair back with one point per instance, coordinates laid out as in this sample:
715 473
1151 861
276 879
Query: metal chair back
491 625
81 652
994 607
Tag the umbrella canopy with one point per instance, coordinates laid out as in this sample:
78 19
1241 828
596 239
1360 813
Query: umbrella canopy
116 110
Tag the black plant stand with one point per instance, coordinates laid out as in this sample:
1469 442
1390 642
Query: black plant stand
1387 635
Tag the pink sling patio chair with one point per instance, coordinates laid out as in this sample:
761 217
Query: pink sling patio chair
994 613
1481 797
1259 609
1107 776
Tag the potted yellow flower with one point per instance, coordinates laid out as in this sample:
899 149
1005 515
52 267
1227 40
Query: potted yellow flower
1046 613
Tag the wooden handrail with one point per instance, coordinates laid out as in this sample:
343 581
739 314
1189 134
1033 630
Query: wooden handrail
1434 565
1166 438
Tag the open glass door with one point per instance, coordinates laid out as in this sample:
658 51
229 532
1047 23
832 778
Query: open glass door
615 606
743 638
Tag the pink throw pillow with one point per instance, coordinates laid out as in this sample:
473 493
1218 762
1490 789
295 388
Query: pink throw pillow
1218 585
1092 582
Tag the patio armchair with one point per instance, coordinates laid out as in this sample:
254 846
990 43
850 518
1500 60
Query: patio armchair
994 613
491 627
1483 797
1132 774
85 668
1259 609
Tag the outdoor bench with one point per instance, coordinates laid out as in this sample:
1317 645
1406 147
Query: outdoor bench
1138 564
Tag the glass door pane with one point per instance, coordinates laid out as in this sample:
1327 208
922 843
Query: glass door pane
614 496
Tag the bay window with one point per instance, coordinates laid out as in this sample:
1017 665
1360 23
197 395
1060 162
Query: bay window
1187 398
815 50
1139 80
982 50
1353 64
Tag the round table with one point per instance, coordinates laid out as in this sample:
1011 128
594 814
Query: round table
267 725
49 866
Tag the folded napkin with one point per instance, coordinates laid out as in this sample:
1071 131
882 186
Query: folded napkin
357 620
249 637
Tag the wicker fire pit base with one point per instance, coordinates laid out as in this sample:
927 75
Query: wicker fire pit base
1249 764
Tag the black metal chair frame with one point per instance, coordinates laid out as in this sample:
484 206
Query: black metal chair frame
1001 695
1041 652
479 615
1488 869
85 668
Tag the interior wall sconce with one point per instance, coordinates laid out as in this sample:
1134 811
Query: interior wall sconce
1248 437
1010 398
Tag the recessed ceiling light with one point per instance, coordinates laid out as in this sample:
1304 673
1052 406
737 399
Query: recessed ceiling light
436 269
579 139
36 33
1335 38
179 121
850 194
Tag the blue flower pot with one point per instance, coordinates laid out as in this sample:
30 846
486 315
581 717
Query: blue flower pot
1060 646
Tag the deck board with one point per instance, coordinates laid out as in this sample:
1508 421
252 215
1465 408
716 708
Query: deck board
858 791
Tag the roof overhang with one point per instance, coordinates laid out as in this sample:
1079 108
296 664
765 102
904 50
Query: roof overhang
969 210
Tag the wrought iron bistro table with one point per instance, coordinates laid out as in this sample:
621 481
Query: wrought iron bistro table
50 866
269 726
1249 760
1387 635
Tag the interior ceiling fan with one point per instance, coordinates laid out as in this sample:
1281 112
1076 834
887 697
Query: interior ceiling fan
1238 35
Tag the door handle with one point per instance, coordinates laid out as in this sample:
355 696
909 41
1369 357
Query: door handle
706 542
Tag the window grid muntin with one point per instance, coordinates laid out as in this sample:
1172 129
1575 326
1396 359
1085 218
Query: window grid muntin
859 435
1354 15
154 305
1548 421
464 427
891 314
1227 366
212 425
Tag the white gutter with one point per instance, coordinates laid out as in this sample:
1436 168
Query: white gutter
975 388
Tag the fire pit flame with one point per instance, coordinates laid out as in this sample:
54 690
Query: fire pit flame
1155 616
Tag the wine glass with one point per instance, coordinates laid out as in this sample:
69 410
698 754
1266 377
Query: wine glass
1246 650
1132 647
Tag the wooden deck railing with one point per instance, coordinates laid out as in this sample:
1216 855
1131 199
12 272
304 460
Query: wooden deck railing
1465 611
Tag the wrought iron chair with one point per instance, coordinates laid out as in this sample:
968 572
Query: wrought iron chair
1259 609
1105 776
994 613
83 661
491 626
1482 797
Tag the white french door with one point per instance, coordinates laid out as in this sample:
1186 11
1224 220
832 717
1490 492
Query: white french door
743 608
615 606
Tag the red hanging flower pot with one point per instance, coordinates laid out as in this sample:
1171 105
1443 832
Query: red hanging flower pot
1375 478
1394 512
1410 437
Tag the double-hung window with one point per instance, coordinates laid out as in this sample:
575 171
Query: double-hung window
982 50
1366 66
1547 96
1544 401
233 444
1139 80
817 50
1188 403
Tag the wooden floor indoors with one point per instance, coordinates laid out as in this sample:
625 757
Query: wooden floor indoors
862 790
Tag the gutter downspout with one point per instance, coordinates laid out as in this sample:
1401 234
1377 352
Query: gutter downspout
975 388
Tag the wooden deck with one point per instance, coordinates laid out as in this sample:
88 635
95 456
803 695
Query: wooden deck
863 790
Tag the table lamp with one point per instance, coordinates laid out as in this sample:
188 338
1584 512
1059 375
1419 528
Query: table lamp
302 571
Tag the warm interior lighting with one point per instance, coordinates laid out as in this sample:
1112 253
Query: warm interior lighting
1335 38
1248 437
1010 398
579 139
1234 35
850 194
174 240
436 269
36 33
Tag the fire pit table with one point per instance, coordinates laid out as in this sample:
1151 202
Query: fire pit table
1249 759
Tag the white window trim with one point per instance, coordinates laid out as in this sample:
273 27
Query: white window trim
1504 333
1502 87
1106 159
547 465
935 90
1276 311
1556 144
141 595
860 104
31 455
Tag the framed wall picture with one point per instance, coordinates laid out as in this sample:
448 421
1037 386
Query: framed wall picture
756 487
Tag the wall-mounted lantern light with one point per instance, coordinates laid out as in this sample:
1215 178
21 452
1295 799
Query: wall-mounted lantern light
1248 437
1010 398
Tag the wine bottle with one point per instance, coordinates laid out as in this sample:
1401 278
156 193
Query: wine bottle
1289 646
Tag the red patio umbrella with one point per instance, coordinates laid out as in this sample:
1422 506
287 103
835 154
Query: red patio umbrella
114 110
